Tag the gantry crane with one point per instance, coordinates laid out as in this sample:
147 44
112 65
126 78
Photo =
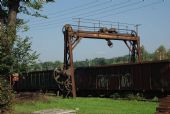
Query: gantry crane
72 38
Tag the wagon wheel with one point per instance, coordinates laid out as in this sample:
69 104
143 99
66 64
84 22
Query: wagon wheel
68 87
57 77
68 84
61 87
63 82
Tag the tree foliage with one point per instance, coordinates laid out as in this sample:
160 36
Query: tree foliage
168 54
146 56
160 53
5 95
48 65
23 55
28 7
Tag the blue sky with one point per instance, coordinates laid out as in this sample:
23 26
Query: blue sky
47 37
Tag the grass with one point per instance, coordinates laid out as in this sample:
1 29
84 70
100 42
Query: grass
89 106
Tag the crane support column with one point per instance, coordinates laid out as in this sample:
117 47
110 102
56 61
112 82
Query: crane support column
68 57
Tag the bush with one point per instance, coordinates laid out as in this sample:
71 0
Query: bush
115 96
138 96
155 99
5 95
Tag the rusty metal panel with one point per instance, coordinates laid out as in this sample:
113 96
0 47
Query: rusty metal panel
126 82
114 82
102 82
156 76
165 71
145 73
141 77
85 79
167 75
102 78
136 77
160 76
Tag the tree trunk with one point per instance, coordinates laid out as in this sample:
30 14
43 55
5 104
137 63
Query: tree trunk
13 6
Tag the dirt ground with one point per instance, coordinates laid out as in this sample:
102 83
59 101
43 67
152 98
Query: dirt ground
55 111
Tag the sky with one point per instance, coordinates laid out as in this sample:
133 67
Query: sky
47 38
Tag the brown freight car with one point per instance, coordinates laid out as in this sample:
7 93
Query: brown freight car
36 81
150 78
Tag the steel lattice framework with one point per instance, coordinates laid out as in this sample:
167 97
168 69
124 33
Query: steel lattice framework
72 37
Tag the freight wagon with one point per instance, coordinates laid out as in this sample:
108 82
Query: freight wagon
146 77
152 78
36 81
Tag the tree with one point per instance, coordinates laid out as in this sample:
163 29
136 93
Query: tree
35 67
146 56
49 65
82 63
99 61
160 53
8 28
168 54
23 55
9 23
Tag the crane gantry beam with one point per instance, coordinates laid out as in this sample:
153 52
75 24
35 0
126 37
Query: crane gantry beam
110 36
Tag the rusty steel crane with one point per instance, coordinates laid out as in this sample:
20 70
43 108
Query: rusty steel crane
72 37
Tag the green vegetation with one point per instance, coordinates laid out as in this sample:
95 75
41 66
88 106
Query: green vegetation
161 53
23 55
89 106
5 95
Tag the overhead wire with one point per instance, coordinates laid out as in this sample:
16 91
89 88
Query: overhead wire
131 9
74 10
105 9
85 7
121 12
114 9
66 18
53 24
